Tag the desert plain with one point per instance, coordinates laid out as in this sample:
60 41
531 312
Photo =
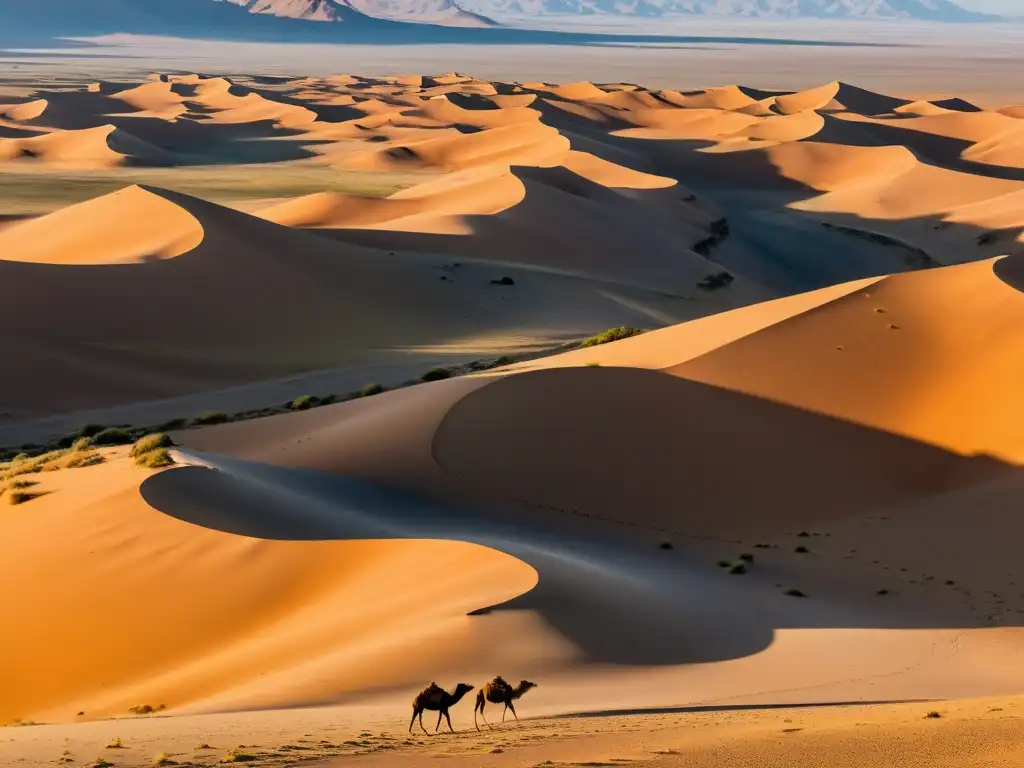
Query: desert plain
699 407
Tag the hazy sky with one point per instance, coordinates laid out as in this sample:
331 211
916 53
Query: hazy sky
995 6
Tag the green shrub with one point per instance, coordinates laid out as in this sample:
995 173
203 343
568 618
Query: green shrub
370 390
328 399
115 743
112 436
436 374
82 444
210 417
304 403
155 459
89 430
612 334
737 568
747 557
81 459
173 424
151 443
163 759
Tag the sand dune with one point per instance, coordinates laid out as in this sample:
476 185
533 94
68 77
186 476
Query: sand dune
557 518
100 147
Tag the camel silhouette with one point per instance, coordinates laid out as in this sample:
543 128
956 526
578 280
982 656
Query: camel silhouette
499 692
434 697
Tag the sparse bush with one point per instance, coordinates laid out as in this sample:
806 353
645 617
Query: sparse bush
612 334
167 426
21 457
163 759
794 593
112 436
151 443
882 592
237 756
304 403
370 390
89 430
82 444
436 374
101 763
146 709
22 484
82 459
801 550
115 743
747 557
210 417
723 563
328 399
20 497
665 545
933 715
803 535
737 568
593 365
715 281
157 459
506 280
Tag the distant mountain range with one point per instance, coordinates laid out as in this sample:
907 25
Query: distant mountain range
933 10
446 12
371 21
480 12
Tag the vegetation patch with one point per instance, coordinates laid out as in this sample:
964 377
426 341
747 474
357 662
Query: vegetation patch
370 390
304 403
146 709
150 443
21 497
210 417
716 281
612 334
113 436
506 280
157 459
436 374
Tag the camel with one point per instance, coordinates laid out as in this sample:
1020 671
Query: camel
499 692
434 697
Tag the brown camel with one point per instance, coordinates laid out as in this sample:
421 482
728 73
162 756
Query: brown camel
435 698
499 692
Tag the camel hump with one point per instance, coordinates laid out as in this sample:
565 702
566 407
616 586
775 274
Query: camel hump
433 693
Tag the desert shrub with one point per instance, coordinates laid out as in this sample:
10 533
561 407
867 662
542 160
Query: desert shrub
747 557
20 458
723 563
115 743
593 365
435 374
101 763
370 390
81 459
14 484
155 459
167 426
506 280
882 592
112 436
803 535
737 568
146 709
304 403
82 444
151 443
665 545
612 334
801 550
715 281
20 497
210 417
163 759
933 715
237 756
794 593
328 399
89 430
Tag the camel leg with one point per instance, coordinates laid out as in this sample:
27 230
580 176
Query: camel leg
503 712
512 707
482 717
413 721
449 719
421 723
440 714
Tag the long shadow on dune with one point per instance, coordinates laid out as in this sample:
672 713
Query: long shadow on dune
731 708
580 498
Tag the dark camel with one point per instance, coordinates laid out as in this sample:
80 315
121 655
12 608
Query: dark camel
499 692
435 698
